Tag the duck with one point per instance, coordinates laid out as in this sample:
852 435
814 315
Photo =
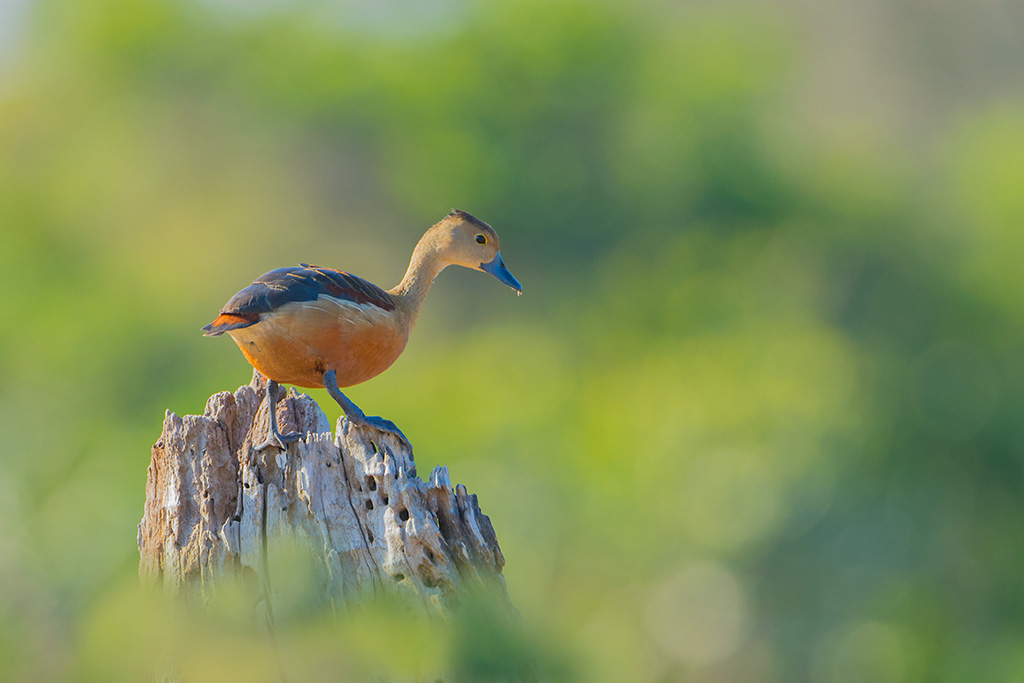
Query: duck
311 326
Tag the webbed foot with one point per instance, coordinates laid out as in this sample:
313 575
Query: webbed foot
355 416
279 440
275 438
380 424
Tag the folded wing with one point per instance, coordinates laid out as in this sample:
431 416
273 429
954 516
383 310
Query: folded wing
292 285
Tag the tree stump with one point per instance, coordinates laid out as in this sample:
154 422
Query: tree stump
215 509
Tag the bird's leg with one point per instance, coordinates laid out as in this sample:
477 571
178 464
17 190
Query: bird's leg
276 438
354 414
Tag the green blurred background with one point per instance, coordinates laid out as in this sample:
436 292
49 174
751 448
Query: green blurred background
757 416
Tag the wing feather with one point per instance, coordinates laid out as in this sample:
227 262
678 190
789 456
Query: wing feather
295 284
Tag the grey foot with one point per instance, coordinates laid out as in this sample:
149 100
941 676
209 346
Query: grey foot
278 440
381 425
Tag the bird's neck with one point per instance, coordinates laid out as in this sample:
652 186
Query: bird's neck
424 266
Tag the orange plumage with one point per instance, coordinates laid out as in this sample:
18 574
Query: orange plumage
296 343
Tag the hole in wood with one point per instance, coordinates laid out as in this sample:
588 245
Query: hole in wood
375 449
369 536
399 577
403 515
369 504
371 483
384 499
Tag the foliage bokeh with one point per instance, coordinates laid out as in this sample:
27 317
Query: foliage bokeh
756 416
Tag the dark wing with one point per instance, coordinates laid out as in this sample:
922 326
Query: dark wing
291 285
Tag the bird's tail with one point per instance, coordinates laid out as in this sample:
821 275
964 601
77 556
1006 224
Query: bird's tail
228 321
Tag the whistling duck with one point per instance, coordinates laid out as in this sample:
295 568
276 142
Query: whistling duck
319 327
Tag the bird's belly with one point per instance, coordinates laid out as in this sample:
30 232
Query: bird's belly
298 342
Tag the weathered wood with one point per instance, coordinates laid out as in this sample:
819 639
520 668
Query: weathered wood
215 508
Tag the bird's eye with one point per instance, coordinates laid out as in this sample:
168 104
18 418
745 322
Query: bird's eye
480 239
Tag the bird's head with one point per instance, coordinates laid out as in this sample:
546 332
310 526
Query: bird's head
465 240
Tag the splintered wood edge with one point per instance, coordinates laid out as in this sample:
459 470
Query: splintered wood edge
350 498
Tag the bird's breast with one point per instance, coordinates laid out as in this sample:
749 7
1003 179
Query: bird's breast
297 342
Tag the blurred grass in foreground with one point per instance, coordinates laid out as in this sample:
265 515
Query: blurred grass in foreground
134 633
